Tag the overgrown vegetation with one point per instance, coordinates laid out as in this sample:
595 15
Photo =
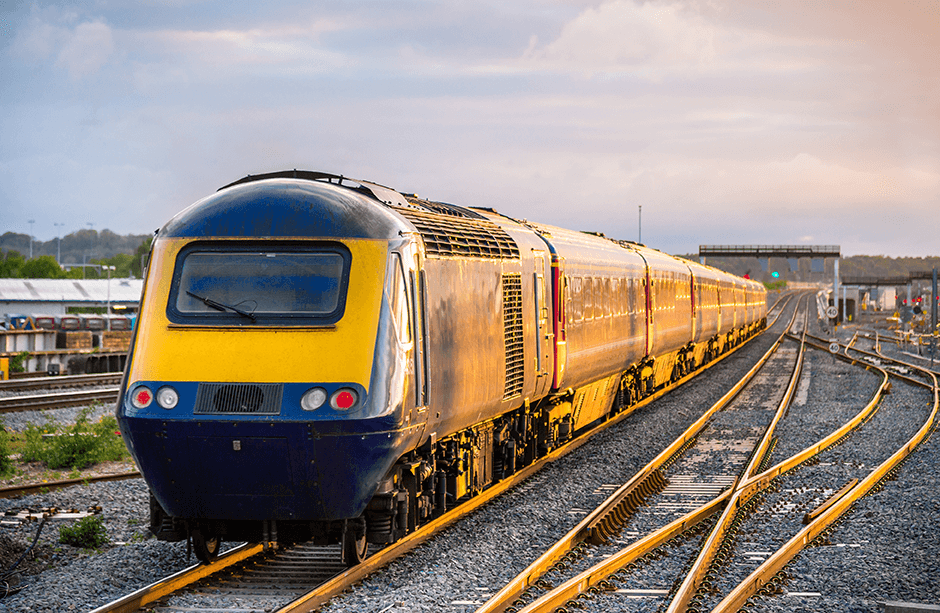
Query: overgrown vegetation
77 446
6 464
87 533
18 362
775 285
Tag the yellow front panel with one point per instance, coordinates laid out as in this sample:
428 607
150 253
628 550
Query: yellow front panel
340 353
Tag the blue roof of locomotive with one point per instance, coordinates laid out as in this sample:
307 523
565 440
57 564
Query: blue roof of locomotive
284 208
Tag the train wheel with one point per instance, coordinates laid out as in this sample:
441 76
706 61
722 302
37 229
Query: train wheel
206 549
355 546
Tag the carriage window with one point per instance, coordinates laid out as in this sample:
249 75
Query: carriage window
220 285
588 297
577 300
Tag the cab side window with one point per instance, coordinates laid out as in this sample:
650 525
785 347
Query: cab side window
397 297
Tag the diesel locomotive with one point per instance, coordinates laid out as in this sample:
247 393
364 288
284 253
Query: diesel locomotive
317 357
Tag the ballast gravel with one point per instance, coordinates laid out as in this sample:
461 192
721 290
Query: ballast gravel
460 566
896 557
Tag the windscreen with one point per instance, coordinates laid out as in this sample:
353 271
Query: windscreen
260 286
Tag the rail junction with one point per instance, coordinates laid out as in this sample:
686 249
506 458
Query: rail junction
702 500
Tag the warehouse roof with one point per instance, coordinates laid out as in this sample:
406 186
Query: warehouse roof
70 290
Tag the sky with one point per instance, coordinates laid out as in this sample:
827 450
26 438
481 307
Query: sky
728 121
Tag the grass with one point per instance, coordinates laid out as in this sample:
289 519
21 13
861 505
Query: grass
74 447
7 466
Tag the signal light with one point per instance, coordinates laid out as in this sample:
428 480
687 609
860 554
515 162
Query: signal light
775 274
167 397
313 399
142 397
344 399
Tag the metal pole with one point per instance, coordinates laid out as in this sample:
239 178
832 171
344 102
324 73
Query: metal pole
845 316
31 222
933 319
639 237
109 296
835 286
933 303
58 246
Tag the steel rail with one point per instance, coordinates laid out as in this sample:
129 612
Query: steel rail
591 578
770 567
15 491
594 577
173 583
617 501
47 382
695 576
823 345
58 400
338 584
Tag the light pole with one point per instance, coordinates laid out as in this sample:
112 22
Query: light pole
639 237
58 245
109 269
31 222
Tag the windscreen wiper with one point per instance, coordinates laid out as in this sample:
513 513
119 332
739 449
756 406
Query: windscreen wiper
218 306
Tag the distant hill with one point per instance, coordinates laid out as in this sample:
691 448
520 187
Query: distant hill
75 247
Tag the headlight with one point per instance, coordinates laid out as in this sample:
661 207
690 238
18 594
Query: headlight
313 399
141 397
167 397
344 399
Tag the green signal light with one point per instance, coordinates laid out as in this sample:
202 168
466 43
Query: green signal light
775 274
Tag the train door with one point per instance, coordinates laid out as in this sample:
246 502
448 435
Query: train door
543 328
417 289
560 300
648 290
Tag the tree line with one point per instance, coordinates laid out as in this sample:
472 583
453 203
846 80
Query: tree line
15 265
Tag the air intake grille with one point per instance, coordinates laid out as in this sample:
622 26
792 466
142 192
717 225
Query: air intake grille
238 399
451 234
512 323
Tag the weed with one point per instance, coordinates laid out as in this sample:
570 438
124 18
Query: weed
87 533
140 537
18 362
78 446
6 464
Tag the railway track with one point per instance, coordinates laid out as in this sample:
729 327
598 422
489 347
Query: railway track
15 491
676 486
58 400
734 560
21 384
211 587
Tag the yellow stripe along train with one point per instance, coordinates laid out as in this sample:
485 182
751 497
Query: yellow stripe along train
324 358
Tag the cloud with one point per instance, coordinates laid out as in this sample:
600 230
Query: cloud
624 34
86 49
37 41
81 50
283 51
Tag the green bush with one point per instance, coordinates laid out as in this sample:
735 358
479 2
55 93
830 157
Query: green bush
78 446
33 443
6 464
18 362
87 533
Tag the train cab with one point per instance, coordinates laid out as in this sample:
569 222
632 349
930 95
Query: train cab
273 361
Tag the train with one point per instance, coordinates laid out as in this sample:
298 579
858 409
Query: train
317 357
